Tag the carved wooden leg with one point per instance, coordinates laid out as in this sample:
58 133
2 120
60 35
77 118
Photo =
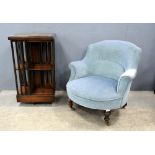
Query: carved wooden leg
154 91
70 103
107 118
124 106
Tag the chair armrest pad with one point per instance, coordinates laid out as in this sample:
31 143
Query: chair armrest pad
131 73
125 80
78 69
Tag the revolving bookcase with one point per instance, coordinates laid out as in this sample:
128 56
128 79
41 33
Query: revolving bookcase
34 67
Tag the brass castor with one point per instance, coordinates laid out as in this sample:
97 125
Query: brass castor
124 106
107 114
70 103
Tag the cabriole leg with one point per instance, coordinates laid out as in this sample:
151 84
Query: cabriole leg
124 106
70 103
107 114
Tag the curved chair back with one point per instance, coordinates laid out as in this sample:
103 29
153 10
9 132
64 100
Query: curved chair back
111 58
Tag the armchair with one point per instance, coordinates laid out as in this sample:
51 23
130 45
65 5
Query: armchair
102 79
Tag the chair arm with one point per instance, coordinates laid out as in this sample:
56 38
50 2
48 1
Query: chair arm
125 80
131 73
78 69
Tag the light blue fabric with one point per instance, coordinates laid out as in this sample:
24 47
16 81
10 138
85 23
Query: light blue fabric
103 78
93 88
78 69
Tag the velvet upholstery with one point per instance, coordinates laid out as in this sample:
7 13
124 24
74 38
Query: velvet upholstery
102 79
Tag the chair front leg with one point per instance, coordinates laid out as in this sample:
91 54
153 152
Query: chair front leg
70 103
107 114
124 106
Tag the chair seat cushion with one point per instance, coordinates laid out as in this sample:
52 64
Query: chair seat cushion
96 88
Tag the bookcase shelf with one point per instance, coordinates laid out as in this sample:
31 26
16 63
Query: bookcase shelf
34 67
42 67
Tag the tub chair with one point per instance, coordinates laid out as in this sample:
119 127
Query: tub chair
102 79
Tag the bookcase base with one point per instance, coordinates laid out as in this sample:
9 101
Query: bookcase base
35 98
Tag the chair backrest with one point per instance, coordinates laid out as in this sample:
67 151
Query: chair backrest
111 58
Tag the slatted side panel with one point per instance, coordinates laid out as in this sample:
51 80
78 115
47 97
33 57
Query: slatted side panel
18 54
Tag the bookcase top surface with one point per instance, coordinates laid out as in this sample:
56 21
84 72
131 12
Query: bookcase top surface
33 37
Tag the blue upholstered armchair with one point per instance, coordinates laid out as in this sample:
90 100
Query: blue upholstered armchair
103 78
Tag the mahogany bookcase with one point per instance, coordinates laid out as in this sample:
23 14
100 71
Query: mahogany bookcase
34 67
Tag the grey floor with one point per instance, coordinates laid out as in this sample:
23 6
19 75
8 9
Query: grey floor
139 114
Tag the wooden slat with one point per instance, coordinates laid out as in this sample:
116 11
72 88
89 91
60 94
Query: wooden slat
53 62
27 65
19 61
23 62
14 67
